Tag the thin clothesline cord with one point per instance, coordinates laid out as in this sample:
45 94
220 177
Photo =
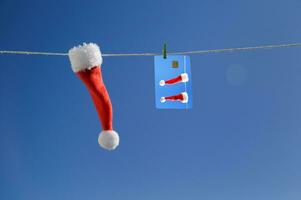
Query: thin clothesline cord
156 54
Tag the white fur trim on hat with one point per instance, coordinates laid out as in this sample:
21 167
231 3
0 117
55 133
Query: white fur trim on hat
185 97
108 139
85 56
184 77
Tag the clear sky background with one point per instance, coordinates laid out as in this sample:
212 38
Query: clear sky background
241 140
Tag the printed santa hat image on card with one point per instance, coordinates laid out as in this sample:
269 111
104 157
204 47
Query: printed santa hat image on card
173 84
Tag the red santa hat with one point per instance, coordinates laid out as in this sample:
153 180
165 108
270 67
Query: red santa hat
182 97
181 78
86 62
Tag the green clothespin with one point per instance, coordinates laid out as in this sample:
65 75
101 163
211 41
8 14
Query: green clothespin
164 51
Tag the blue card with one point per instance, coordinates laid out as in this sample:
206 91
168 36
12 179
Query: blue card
173 82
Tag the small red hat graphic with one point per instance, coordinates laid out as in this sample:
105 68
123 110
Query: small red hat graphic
182 97
182 78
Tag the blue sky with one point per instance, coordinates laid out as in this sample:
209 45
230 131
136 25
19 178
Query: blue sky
241 140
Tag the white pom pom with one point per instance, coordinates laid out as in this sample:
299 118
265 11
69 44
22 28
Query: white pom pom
108 139
162 83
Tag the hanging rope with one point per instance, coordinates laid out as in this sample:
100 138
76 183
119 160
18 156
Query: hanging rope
155 54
